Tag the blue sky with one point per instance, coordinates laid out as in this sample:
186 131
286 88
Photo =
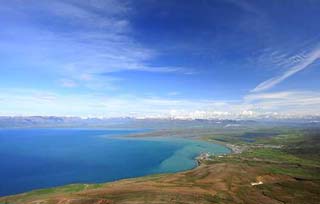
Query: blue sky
147 58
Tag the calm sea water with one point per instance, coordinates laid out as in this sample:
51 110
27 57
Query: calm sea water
41 158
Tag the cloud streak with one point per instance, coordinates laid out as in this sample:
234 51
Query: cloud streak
303 62
91 38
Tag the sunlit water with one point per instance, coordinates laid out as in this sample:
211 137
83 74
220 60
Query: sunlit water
41 158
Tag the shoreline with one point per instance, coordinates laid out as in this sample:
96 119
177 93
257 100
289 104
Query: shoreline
196 160
234 149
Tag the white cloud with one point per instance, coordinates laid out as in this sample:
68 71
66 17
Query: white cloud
302 62
286 102
273 104
266 96
21 102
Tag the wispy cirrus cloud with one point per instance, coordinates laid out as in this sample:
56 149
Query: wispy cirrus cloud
300 62
77 38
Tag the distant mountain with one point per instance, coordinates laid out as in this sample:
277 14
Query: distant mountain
52 121
151 123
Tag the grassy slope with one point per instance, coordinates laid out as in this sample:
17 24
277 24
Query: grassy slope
290 174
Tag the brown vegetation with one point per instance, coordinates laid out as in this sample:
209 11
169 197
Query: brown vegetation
219 182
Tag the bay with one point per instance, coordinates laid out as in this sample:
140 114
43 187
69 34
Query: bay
41 158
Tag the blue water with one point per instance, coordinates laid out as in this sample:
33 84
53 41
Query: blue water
42 158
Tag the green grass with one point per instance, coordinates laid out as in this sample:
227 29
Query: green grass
294 171
272 154
43 193
72 188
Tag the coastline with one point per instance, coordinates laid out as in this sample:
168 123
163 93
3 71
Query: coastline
195 160
224 178
234 149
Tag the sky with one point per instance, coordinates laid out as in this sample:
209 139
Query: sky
165 58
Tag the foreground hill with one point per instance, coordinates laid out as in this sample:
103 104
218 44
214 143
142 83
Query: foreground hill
280 167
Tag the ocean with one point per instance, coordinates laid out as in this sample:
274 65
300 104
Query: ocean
41 158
